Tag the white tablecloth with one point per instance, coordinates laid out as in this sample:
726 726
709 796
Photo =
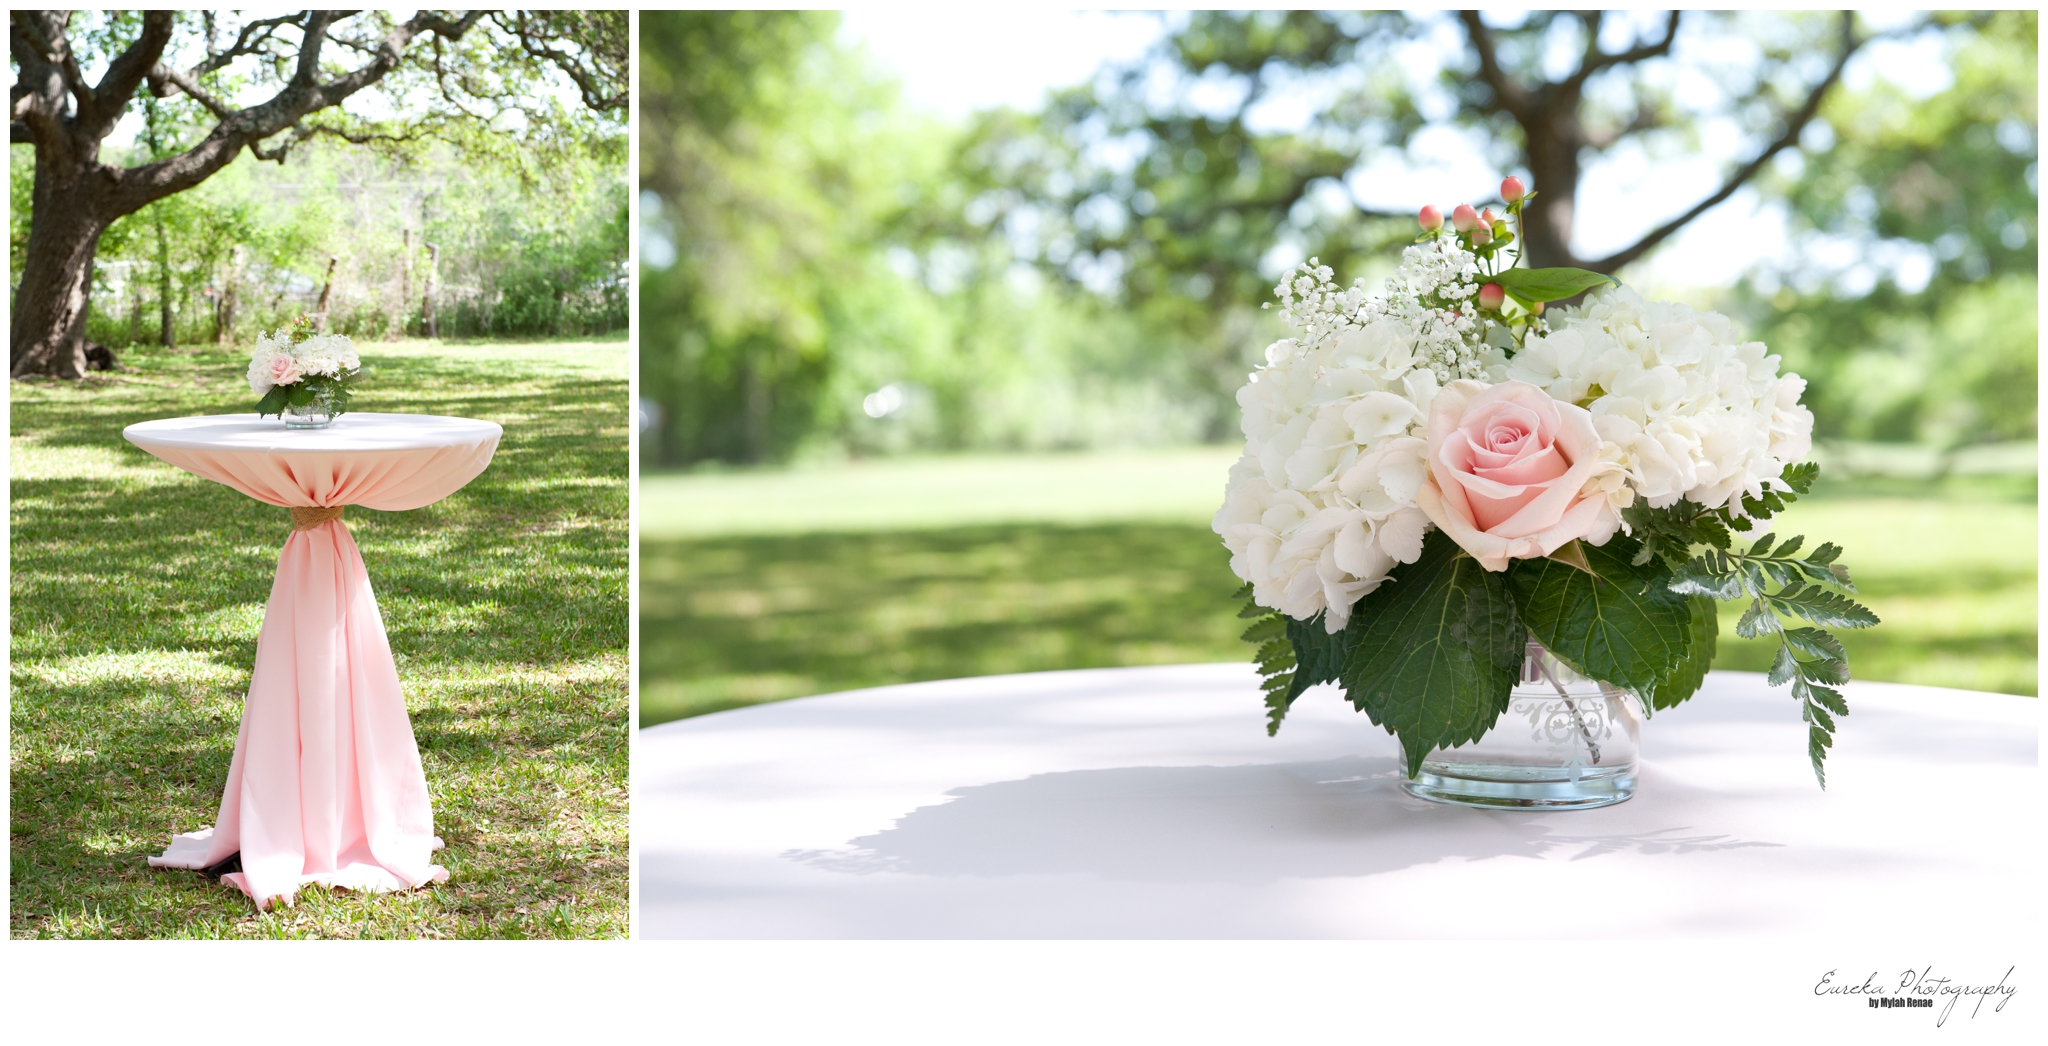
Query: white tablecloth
1149 803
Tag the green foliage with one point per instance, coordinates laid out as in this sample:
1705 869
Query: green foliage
1670 533
802 254
546 259
1687 676
1804 592
1270 635
1089 274
1434 651
1292 655
1620 623
1530 286
1952 179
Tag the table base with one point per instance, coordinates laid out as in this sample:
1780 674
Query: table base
326 785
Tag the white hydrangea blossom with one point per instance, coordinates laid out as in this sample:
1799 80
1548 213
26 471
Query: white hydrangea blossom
277 361
327 355
1323 503
1694 413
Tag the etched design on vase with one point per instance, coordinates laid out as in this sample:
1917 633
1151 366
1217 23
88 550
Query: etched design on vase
1565 742
1571 730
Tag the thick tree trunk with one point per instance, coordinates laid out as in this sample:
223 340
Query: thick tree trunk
56 278
1547 223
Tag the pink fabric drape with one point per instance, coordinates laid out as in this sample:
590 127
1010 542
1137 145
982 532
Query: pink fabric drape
326 784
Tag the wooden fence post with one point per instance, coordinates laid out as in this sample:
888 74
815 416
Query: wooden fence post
427 321
320 311
404 285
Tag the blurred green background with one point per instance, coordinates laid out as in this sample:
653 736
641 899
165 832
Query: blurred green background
933 393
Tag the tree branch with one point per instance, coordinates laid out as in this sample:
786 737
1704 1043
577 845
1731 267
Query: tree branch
1506 92
1597 60
125 73
244 44
1794 124
53 50
165 81
302 95
36 101
534 41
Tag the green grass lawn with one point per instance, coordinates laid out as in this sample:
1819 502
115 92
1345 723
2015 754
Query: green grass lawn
759 585
138 590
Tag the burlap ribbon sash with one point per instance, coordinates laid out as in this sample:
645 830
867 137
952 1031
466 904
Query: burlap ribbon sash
308 518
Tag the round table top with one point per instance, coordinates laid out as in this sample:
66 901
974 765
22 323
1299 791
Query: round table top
388 462
1149 803
351 432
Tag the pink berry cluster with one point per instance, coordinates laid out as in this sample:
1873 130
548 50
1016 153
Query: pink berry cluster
1484 233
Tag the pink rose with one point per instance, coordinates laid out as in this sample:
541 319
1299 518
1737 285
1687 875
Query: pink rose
1508 471
284 370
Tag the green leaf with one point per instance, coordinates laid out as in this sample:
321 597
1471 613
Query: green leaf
1785 550
1690 673
1815 643
1800 477
1762 546
1319 654
1822 607
1757 621
1265 630
1700 578
1530 286
1825 670
1783 667
273 401
1620 624
1817 744
1436 650
1828 697
1819 717
298 395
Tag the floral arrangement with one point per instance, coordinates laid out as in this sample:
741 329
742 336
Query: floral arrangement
295 367
1438 472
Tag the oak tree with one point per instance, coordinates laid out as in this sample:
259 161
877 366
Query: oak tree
265 85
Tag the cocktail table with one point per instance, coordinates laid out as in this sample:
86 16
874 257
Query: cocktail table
326 785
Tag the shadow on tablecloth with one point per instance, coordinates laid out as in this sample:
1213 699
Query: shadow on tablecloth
1253 824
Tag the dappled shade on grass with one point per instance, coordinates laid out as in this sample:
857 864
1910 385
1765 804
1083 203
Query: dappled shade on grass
733 621
737 620
138 591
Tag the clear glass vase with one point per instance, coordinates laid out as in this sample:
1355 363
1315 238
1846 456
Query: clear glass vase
316 413
1565 743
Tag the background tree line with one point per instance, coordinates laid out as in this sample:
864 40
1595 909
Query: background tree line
249 250
449 172
828 272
